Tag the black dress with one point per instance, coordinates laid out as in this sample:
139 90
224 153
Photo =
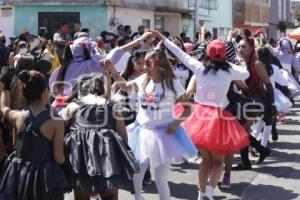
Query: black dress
31 173
100 158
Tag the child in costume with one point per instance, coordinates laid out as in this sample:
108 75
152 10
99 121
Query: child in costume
34 171
216 132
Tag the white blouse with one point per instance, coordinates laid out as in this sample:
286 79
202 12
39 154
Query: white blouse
211 88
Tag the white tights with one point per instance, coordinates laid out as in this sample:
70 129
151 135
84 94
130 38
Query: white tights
266 135
257 128
161 181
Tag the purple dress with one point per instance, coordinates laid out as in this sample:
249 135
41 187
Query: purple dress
79 66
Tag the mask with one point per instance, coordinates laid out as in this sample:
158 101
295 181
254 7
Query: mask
65 30
23 51
100 45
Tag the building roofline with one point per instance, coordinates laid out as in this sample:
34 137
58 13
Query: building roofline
148 7
59 2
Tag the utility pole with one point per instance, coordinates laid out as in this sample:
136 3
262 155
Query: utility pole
196 18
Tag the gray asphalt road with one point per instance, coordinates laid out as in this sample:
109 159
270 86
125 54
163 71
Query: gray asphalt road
277 179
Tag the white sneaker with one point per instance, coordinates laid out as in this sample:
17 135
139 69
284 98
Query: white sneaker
209 193
200 195
138 197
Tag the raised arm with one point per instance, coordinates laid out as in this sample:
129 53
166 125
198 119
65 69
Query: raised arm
187 60
115 55
136 42
124 85
5 80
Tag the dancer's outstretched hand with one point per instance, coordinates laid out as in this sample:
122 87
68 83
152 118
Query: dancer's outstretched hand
107 66
145 36
172 128
157 34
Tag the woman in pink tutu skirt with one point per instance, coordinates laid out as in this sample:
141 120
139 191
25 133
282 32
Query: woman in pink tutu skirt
214 131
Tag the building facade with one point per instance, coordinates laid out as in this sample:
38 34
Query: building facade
160 15
96 15
34 14
7 19
251 14
215 15
280 18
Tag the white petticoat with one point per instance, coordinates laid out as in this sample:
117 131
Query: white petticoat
293 85
155 145
282 103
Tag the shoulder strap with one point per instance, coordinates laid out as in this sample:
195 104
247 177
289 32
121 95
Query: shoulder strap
35 122
41 118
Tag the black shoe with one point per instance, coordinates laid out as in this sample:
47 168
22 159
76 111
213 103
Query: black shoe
253 152
274 135
241 166
263 155
147 178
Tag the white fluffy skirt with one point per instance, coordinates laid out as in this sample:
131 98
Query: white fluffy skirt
293 85
157 146
282 103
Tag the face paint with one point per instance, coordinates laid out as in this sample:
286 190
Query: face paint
65 30
100 44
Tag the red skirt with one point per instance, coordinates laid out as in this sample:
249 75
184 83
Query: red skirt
214 129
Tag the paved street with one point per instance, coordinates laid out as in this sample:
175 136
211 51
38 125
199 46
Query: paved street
277 179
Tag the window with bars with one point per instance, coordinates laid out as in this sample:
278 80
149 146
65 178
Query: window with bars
223 31
146 23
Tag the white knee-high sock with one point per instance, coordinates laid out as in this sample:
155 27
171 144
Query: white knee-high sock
161 181
138 181
257 127
266 135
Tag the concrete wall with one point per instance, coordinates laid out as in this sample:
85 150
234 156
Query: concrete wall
188 27
219 18
172 23
150 4
134 17
130 16
91 16
280 10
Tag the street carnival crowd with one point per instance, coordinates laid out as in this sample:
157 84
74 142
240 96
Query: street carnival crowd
95 115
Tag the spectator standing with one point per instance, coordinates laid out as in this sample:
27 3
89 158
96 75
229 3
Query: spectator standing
61 39
140 32
3 51
77 27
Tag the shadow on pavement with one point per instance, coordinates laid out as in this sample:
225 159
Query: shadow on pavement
184 166
284 132
285 145
265 192
279 172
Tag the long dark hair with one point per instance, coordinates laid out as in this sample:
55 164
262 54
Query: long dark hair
215 66
67 58
32 84
255 83
297 49
129 70
265 56
90 84
165 69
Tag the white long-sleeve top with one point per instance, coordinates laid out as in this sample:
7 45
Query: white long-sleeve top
211 88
